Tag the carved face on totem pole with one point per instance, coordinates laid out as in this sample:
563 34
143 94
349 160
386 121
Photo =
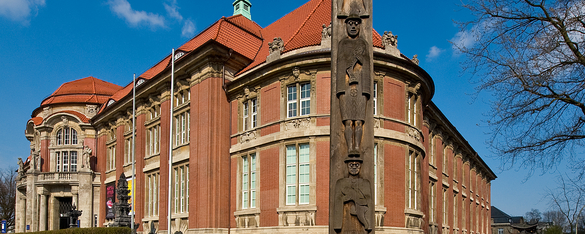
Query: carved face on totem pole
353 27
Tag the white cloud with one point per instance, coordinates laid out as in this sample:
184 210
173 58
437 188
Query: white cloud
135 18
188 29
434 52
19 10
468 38
173 10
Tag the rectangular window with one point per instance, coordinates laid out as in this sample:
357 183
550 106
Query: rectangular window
432 149
500 231
455 208
445 206
182 128
445 160
305 99
432 203
111 157
245 116
297 163
455 168
181 183
375 99
128 151
152 191
65 161
182 97
292 101
152 140
66 137
463 214
249 181
412 109
254 112
58 157
413 178
73 161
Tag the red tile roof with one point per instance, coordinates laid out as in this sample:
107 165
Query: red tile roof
36 120
299 28
87 90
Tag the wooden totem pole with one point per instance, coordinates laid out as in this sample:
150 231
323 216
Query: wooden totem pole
351 180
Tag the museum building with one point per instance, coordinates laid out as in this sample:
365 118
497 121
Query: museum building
250 140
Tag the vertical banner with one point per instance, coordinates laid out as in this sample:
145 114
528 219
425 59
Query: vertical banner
110 199
130 184
3 226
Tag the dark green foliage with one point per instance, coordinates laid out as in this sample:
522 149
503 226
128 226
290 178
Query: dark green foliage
100 230
554 229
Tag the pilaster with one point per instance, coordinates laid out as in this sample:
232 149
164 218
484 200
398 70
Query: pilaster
85 198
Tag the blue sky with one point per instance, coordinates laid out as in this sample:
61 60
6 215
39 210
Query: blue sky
44 43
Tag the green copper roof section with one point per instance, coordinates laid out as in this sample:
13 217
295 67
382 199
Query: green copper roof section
243 7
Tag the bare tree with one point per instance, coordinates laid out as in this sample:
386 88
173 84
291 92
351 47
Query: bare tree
569 200
556 217
533 216
529 54
7 195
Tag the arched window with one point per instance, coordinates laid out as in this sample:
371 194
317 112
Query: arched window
67 136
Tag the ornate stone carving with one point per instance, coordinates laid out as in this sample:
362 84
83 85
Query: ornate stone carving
90 110
297 123
65 121
248 221
380 218
296 72
86 157
20 168
326 33
248 136
415 59
414 222
414 133
390 42
46 112
275 47
122 207
297 218
377 123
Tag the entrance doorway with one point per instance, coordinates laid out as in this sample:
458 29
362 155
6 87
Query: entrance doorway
65 204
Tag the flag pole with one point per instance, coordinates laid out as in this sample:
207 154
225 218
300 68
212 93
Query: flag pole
171 139
133 149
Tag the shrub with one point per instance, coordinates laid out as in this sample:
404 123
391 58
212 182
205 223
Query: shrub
98 230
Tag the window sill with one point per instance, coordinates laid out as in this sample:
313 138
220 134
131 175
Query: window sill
181 145
180 215
151 156
181 106
415 213
150 218
151 121
289 208
249 211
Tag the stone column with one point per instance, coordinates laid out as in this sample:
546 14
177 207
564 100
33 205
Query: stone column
20 214
85 198
43 211
32 212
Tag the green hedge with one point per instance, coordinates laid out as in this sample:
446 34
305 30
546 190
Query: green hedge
100 230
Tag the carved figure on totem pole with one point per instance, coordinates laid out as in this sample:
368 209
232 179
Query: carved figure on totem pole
352 196
353 83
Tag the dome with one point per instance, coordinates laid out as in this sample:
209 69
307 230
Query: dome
89 90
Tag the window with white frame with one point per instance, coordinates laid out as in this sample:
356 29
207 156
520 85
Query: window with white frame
111 156
250 114
152 194
182 127
445 160
67 136
154 112
463 213
128 150
298 174
455 209
500 231
182 96
455 168
298 100
153 139
445 206
432 149
66 161
432 202
249 181
413 177
375 99
412 109
181 188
